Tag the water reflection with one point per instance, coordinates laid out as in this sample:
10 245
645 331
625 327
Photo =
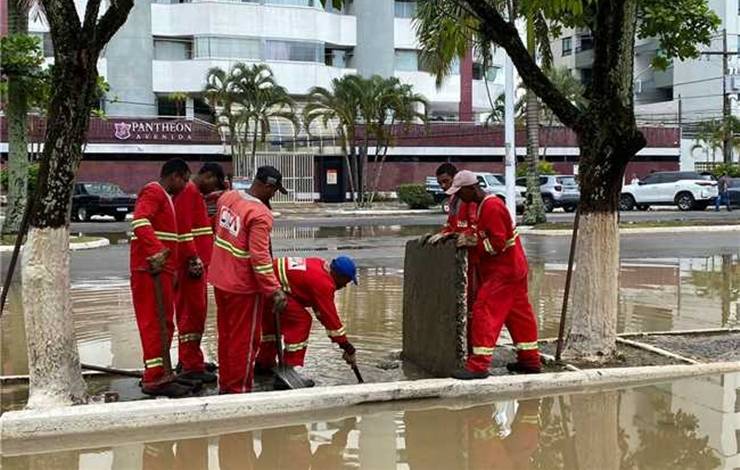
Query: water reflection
687 424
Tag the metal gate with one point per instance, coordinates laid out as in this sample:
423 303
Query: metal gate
297 170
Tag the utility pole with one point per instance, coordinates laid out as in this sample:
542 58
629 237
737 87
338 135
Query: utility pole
726 103
509 137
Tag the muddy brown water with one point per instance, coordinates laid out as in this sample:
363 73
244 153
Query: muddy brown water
684 424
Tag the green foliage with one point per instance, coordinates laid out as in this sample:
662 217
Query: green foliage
543 168
732 170
22 55
33 174
711 133
415 196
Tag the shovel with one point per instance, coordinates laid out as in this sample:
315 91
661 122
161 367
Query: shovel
356 370
286 374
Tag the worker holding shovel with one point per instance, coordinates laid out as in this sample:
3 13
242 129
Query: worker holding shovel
153 267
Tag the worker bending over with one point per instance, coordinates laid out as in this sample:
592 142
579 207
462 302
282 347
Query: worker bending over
502 295
195 237
309 283
154 263
242 276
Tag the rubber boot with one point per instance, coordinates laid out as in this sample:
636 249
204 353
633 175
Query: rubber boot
465 374
204 376
519 368
168 387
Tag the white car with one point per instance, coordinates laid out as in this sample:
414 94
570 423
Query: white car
495 184
686 189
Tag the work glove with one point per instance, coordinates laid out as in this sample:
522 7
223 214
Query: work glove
441 237
466 241
279 301
195 267
157 261
349 353
425 238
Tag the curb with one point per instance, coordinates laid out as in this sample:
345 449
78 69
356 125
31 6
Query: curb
99 243
93 425
380 213
638 231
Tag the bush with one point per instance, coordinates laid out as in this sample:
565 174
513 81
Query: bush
543 167
415 196
732 169
33 175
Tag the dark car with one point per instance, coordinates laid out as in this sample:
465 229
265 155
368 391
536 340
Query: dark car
95 198
734 190
433 188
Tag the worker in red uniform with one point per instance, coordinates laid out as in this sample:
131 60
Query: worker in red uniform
242 276
309 283
502 295
461 219
194 252
154 253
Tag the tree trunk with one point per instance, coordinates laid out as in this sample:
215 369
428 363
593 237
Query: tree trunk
253 163
534 211
16 113
54 366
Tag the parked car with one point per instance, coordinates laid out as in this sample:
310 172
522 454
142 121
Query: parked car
433 188
494 183
686 189
557 191
734 190
96 198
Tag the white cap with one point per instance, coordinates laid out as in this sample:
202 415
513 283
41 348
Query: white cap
462 178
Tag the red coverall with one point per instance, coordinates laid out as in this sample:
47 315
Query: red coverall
463 219
502 295
241 273
309 284
154 229
191 304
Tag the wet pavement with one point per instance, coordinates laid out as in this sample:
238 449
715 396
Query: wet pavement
684 424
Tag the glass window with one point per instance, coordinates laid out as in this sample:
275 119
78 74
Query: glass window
102 189
407 61
173 49
237 48
567 46
521 181
405 9
585 42
294 51
491 72
567 181
492 180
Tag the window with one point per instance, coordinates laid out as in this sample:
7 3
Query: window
492 180
521 182
405 9
407 61
227 48
173 49
585 42
102 189
294 51
567 46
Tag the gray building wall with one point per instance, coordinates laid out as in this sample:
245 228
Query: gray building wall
374 53
129 65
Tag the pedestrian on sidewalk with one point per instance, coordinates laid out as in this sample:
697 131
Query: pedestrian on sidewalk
309 283
154 260
195 244
723 192
502 296
242 276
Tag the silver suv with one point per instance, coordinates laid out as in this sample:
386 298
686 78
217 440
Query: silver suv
557 191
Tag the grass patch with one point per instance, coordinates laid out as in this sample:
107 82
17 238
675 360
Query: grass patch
643 224
9 240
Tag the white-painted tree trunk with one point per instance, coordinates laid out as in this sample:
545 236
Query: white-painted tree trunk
594 301
53 359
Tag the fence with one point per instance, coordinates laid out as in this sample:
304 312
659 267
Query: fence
297 170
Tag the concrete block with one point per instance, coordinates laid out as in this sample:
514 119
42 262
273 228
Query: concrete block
435 307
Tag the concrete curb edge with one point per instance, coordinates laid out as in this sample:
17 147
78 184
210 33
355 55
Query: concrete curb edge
99 243
639 231
20 428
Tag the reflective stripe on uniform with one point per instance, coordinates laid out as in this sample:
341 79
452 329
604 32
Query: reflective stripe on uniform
512 241
162 236
200 231
190 337
334 333
527 346
264 269
268 338
294 347
223 244
156 362
282 264
185 237
488 247
136 223
482 351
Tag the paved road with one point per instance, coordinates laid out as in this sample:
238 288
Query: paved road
101 226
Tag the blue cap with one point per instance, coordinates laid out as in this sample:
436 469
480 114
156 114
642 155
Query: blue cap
345 266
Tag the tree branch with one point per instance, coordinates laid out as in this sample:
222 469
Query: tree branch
64 23
112 21
91 18
505 34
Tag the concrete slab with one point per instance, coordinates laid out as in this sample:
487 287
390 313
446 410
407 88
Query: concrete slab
101 425
435 307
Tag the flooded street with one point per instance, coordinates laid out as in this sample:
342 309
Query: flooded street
685 424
